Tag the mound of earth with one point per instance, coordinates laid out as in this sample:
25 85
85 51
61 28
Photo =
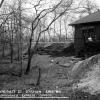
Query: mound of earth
57 48
87 74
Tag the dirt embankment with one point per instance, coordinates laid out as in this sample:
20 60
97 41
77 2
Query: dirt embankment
87 74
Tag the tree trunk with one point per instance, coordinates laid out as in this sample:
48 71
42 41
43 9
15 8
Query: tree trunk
49 36
65 26
18 52
60 30
3 50
31 53
39 77
29 57
1 3
54 29
11 53
11 46
28 65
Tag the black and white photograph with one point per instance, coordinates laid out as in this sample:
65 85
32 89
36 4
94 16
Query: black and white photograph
50 49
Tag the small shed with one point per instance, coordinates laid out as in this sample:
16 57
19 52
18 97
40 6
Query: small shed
87 29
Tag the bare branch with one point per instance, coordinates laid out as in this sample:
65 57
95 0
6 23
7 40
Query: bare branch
1 3
6 19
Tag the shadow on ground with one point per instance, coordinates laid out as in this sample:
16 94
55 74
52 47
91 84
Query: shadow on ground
90 49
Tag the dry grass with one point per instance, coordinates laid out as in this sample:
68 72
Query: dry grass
53 75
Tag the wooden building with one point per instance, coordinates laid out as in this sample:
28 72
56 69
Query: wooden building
87 29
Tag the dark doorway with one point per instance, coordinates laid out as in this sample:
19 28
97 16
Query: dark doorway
91 45
89 34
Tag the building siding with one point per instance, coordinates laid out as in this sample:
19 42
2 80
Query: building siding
97 27
79 40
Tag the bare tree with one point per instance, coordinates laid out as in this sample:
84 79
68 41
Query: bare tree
36 21
86 7
65 24
60 23
3 41
54 25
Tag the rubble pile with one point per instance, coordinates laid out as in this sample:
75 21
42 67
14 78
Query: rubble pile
57 48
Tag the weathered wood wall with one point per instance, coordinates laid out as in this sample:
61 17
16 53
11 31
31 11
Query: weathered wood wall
79 37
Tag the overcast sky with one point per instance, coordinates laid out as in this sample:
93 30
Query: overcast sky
97 2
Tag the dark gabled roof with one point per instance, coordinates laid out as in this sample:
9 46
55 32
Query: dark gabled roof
94 17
